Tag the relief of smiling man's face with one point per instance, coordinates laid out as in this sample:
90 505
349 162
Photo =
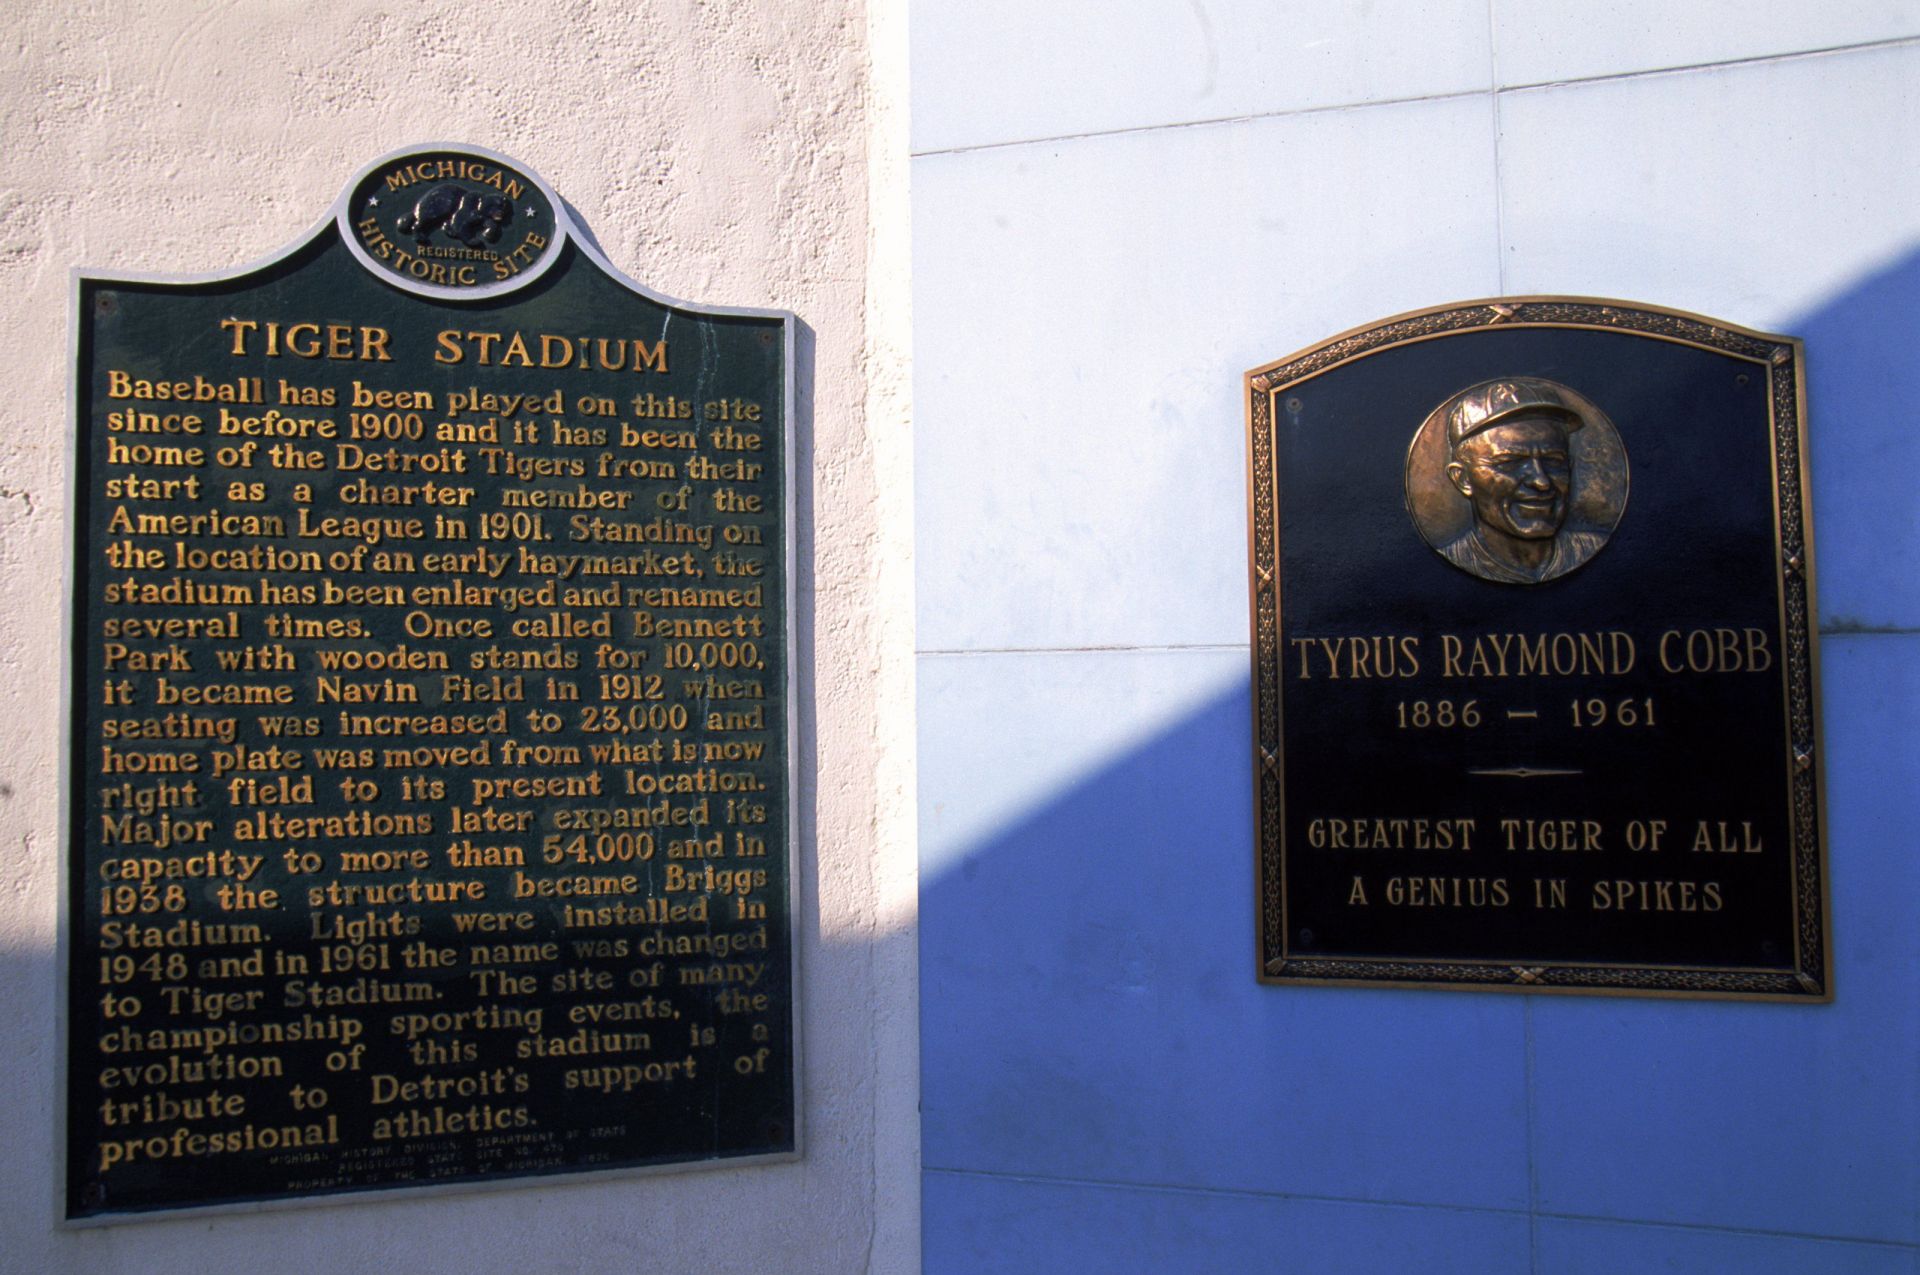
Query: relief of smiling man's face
1517 474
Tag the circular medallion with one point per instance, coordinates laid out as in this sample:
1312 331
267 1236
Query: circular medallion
1517 480
452 222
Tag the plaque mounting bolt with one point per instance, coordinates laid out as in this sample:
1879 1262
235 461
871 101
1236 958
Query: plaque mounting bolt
1781 355
1528 973
1268 761
1802 760
1501 312
1795 562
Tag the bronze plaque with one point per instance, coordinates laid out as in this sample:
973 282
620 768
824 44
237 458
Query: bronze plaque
1535 674
431 811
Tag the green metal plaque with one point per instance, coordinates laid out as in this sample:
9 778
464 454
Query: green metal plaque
430 767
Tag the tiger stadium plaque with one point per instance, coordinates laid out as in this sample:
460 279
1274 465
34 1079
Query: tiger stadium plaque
1535 676
431 808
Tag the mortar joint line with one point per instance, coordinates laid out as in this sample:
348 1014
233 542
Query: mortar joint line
1532 86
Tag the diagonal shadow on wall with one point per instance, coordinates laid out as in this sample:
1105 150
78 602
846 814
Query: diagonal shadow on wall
1105 1086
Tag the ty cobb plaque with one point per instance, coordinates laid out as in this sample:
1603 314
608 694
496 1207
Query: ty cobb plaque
1534 656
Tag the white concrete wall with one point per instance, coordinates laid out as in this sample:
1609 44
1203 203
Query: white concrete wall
1127 211
732 153
1118 209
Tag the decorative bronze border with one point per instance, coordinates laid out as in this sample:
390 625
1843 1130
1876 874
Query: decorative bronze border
1782 357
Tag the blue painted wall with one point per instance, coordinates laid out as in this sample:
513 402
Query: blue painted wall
1105 1086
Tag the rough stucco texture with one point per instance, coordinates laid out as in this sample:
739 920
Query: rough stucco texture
718 153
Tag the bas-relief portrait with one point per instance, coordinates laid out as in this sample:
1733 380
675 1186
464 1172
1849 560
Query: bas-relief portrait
1518 480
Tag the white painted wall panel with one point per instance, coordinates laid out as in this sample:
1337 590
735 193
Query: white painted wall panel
1536 41
1008 733
1749 193
991 71
1084 312
1084 306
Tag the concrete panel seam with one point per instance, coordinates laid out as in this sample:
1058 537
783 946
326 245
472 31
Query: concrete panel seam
1826 631
1499 184
1175 1188
1533 1158
1758 59
1331 107
1082 650
1895 1246
1244 1193
1210 122
1837 631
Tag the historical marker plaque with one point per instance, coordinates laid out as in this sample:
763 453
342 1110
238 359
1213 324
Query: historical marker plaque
1534 656
431 803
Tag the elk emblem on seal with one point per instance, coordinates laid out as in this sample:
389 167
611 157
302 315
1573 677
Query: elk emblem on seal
466 215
